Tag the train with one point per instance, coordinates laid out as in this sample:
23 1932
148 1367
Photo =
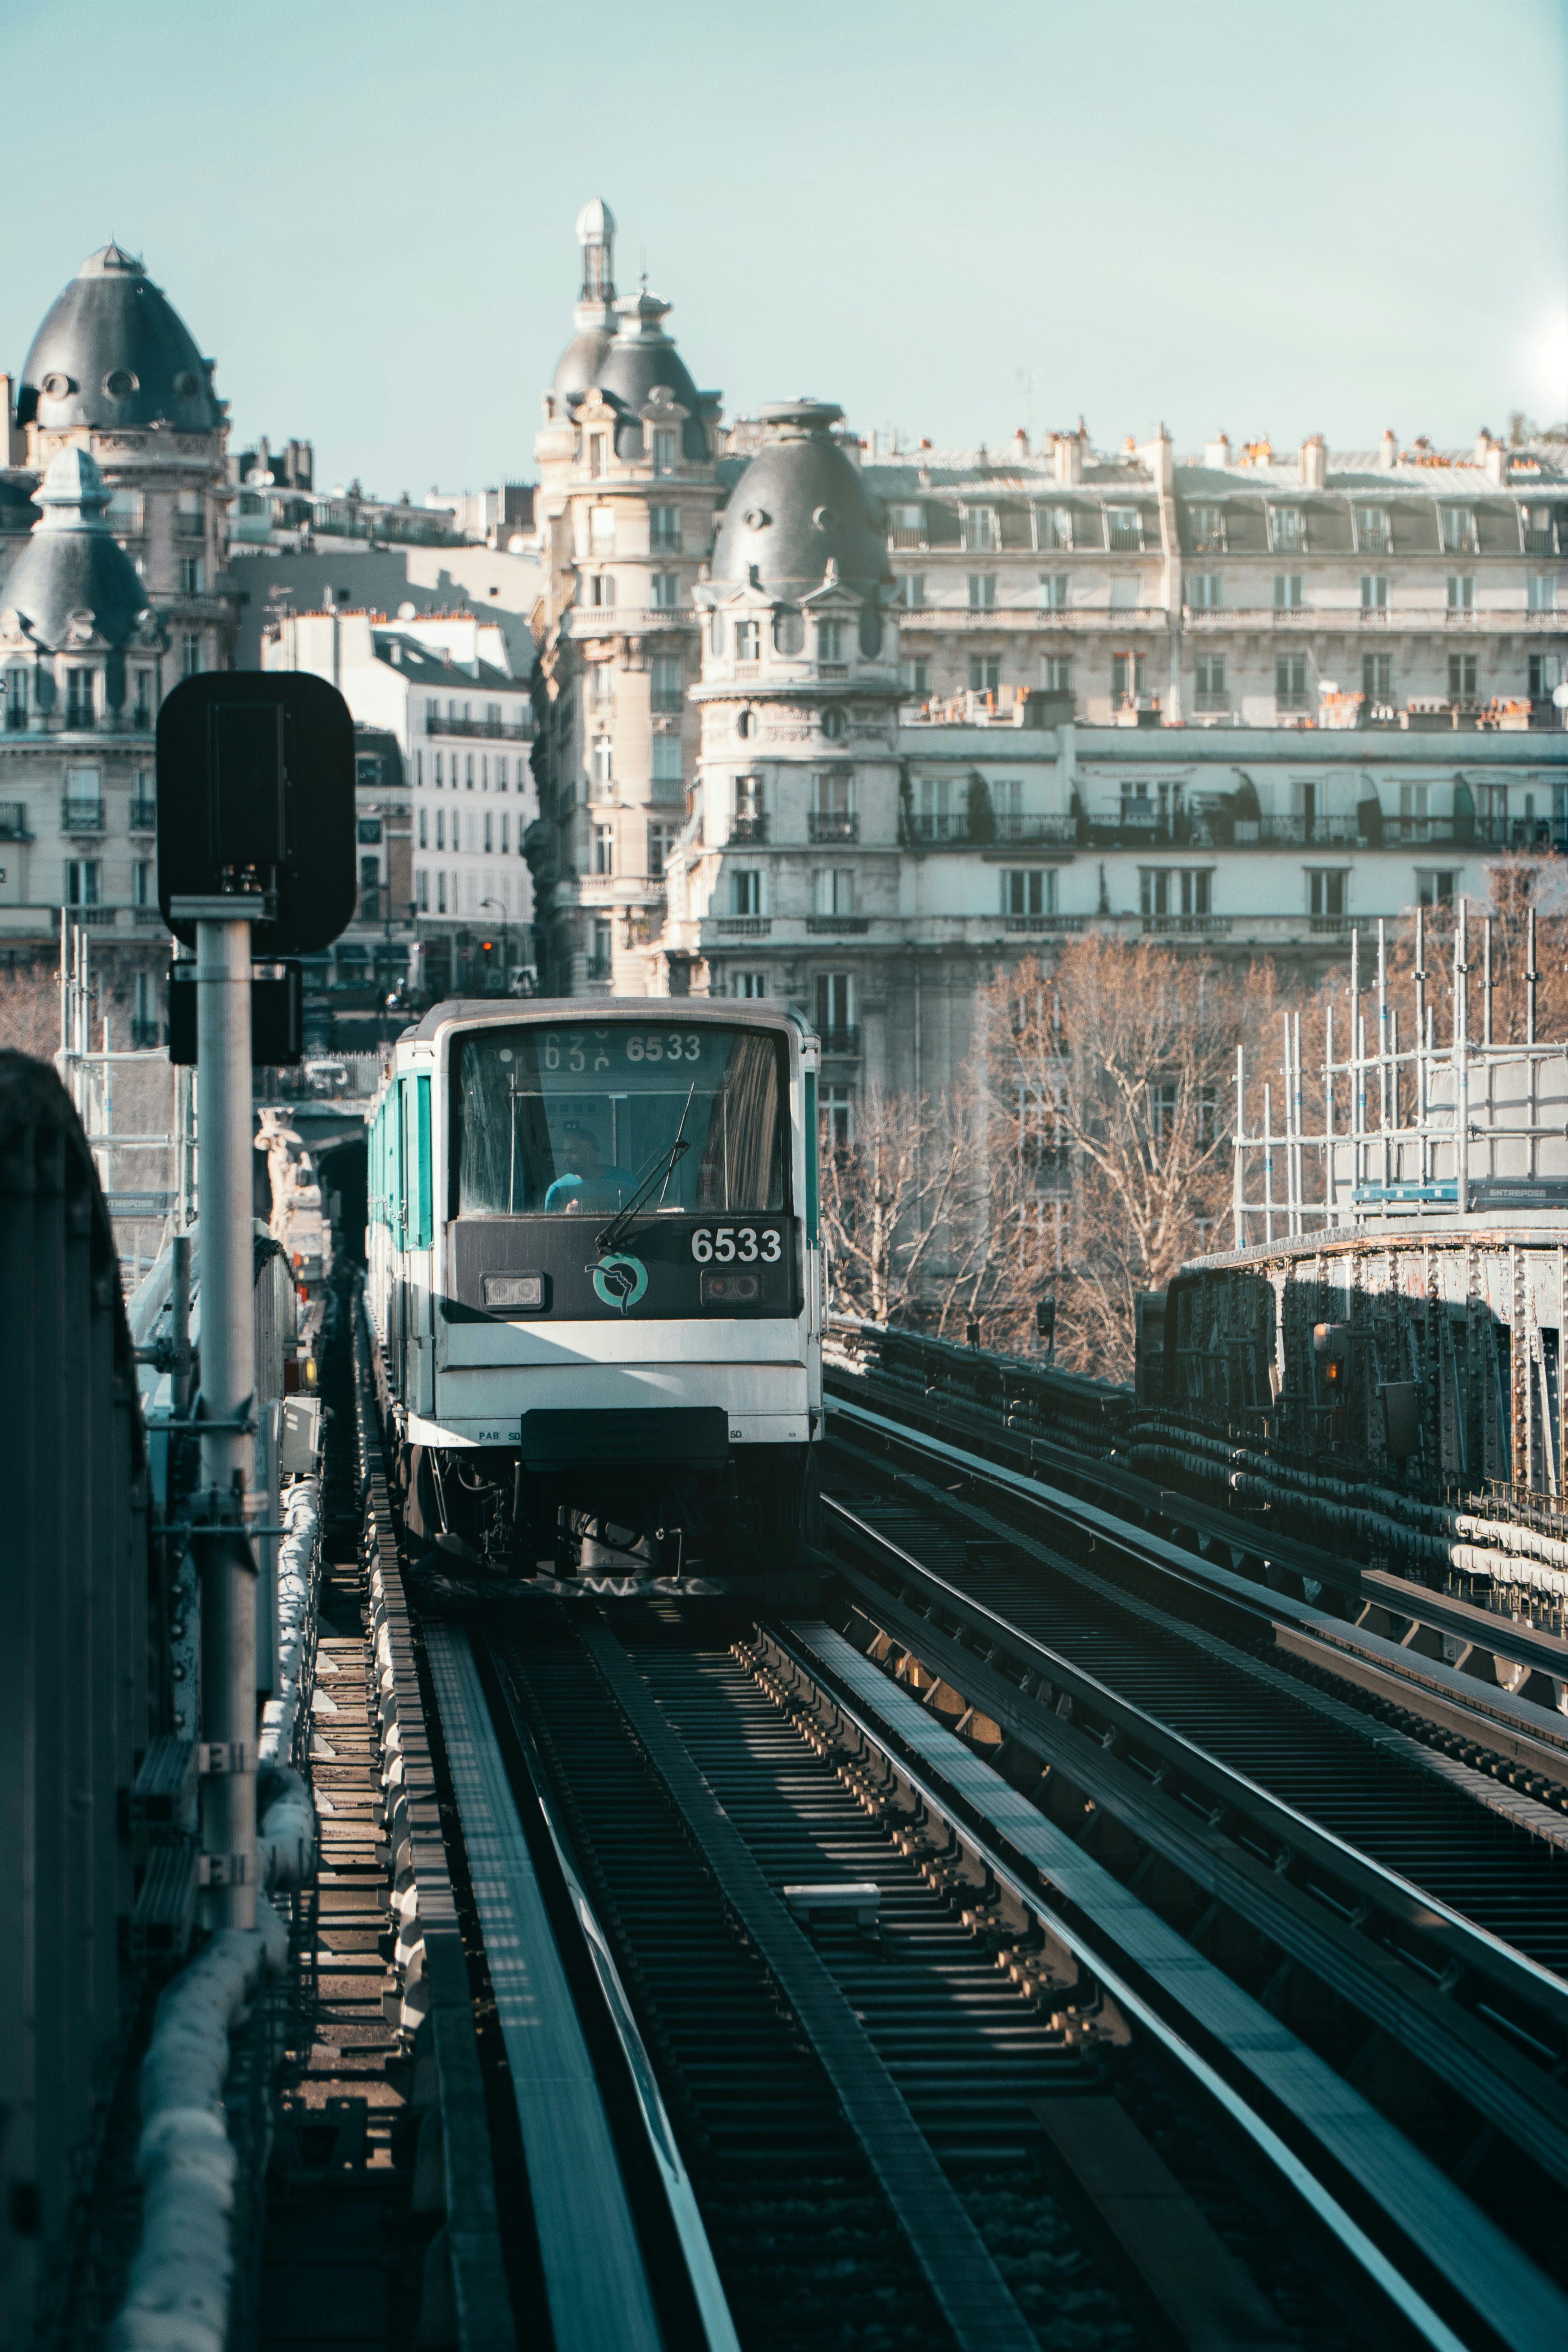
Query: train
595 1281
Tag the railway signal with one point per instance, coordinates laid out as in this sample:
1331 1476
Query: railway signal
255 795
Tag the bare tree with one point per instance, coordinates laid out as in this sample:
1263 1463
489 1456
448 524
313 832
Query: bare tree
1111 1073
897 1200
30 1011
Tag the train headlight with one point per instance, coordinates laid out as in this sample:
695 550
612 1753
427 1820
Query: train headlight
730 1287
521 1292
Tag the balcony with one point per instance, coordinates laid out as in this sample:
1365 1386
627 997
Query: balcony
190 526
146 915
625 620
81 816
1292 832
481 729
743 927
1328 927
1209 700
841 926
1042 923
1205 926
93 917
832 669
1011 828
833 825
666 702
143 816
748 826
145 1035
14 821
907 537
840 1041
986 830
1014 619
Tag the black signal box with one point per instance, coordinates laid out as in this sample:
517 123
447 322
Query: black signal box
277 1015
256 797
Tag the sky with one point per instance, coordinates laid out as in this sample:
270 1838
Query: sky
1330 218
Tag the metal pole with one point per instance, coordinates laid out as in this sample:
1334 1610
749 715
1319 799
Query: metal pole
227 1395
1530 979
1330 1192
1461 1066
1267 1164
1487 967
1237 1177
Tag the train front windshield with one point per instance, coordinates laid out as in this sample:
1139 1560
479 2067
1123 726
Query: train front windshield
578 1119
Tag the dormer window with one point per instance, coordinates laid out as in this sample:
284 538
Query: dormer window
980 531
79 698
1459 530
1124 530
1374 530
1207 527
1287 531
598 455
663 450
830 641
1053 527
907 527
748 641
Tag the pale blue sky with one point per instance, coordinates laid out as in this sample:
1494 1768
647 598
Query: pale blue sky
1328 217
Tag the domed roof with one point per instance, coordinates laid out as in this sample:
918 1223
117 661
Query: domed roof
626 366
595 220
73 582
799 502
580 364
114 352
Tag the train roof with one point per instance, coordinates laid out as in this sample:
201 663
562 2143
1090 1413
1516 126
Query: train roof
666 1008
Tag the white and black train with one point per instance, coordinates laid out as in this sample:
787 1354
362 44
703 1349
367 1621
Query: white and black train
595 1280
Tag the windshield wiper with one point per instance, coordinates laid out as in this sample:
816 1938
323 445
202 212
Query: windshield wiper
616 1232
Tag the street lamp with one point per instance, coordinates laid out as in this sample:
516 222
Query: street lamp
505 939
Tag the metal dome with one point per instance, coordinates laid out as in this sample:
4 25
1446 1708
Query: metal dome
799 503
115 353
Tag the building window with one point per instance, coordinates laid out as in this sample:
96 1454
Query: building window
984 673
1032 891
468 771
601 685
505 827
665 684
664 451
441 830
422 890
833 890
501 775
1374 530
835 1009
191 654
665 588
440 771
1540 594
424 828
142 710
978 530
1414 814
370 889
1545 676
1053 528
602 530
489 845
914 676
1377 676
1287 531
1461 592
1461 678
667 765
982 591
79 698
907 527
914 591
834 1118
746 890
1056 673
602 759
441 891
190 575
751 985
1205 591
830 641
1326 890
1290 681
1124 530
1206 525
748 821
1175 891
603 849
1435 886
1289 595
1126 677
602 589
833 723
1053 592
82 882
664 529
1209 683
598 447
1374 591
661 840
1458 534
143 883
748 641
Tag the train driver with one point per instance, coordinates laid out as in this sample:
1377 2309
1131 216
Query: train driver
582 1175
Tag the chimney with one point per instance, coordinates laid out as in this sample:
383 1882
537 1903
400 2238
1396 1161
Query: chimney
1216 453
1157 455
1388 450
1314 463
1020 442
1068 450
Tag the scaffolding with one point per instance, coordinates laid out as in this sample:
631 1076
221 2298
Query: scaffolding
1406 1128
90 1073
